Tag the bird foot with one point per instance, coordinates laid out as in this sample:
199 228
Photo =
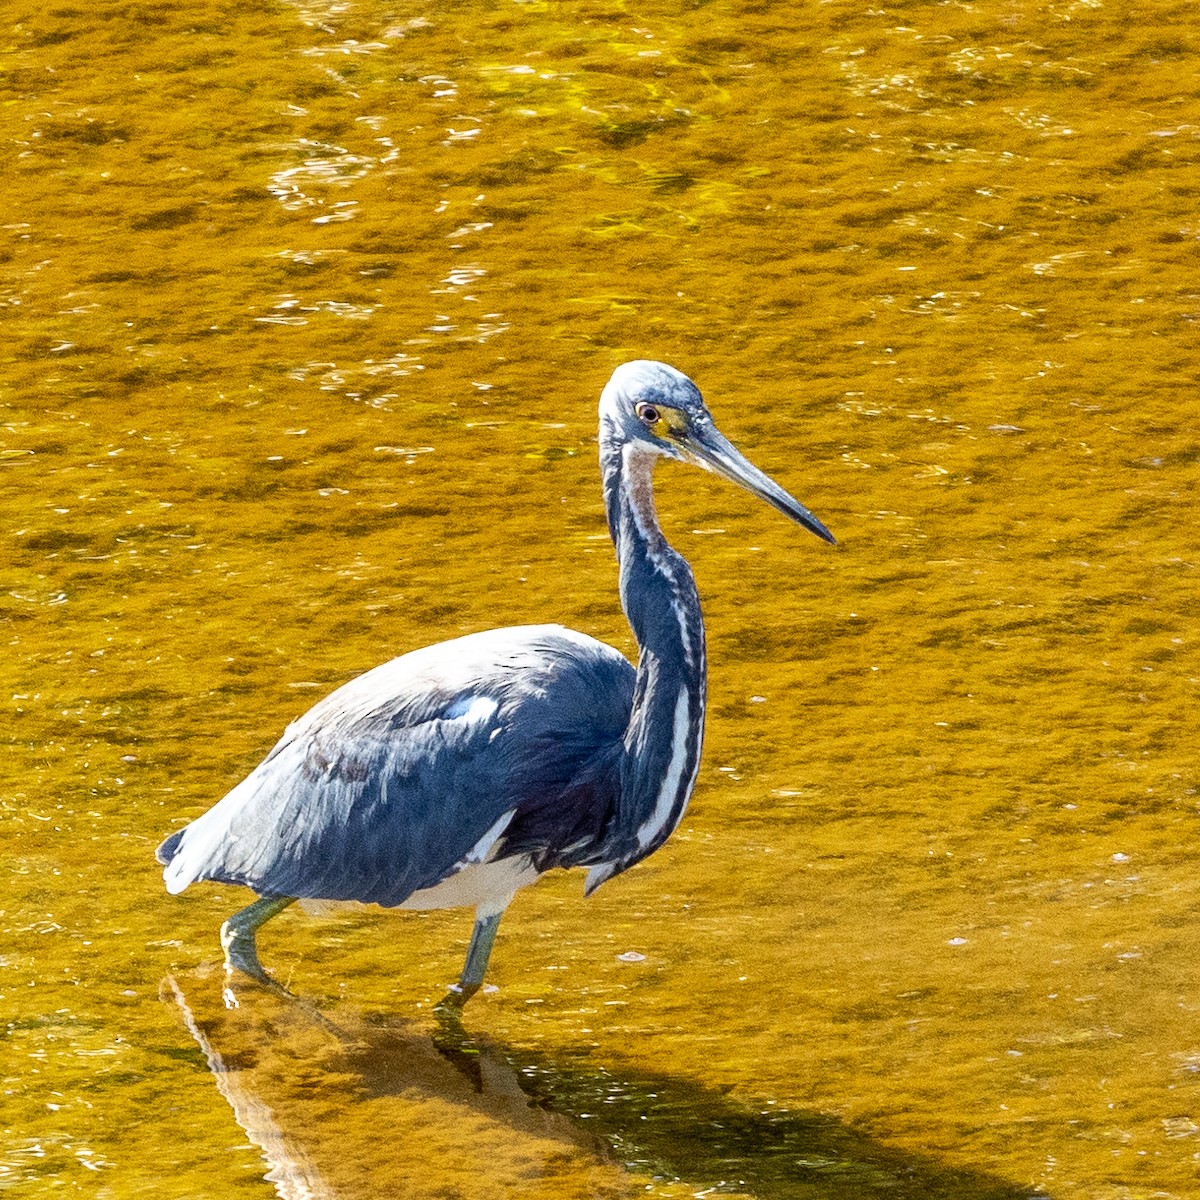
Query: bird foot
457 994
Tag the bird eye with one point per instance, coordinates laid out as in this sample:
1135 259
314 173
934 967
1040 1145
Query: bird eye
649 414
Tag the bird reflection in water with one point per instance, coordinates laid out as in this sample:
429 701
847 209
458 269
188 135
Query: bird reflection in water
459 773
355 1105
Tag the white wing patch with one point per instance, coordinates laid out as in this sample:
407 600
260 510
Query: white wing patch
472 708
482 848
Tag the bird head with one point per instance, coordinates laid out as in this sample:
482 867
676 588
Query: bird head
654 408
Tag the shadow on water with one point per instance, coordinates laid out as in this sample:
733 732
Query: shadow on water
369 1107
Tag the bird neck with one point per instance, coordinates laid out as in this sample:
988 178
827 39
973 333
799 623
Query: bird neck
666 726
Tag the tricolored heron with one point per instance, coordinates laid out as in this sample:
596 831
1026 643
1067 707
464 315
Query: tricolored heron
458 773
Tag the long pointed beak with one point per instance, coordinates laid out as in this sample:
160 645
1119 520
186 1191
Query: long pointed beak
711 449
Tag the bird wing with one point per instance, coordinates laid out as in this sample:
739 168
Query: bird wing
418 768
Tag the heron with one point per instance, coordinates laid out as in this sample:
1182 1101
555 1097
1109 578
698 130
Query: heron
457 774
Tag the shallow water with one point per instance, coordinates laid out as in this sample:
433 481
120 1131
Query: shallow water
307 307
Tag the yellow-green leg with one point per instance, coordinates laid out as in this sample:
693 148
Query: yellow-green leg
237 934
478 953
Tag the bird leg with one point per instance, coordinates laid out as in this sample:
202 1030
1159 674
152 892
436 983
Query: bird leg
237 935
478 953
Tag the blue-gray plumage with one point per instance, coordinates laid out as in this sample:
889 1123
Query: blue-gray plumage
458 773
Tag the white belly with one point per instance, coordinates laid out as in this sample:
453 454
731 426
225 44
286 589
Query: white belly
486 886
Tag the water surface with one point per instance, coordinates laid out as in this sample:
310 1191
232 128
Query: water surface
307 307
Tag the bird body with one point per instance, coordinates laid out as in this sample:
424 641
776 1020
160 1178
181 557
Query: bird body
458 773
421 770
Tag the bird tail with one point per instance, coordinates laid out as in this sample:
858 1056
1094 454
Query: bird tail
167 850
179 869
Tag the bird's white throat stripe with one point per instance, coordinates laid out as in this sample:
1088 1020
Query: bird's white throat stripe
639 495
638 478
668 792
